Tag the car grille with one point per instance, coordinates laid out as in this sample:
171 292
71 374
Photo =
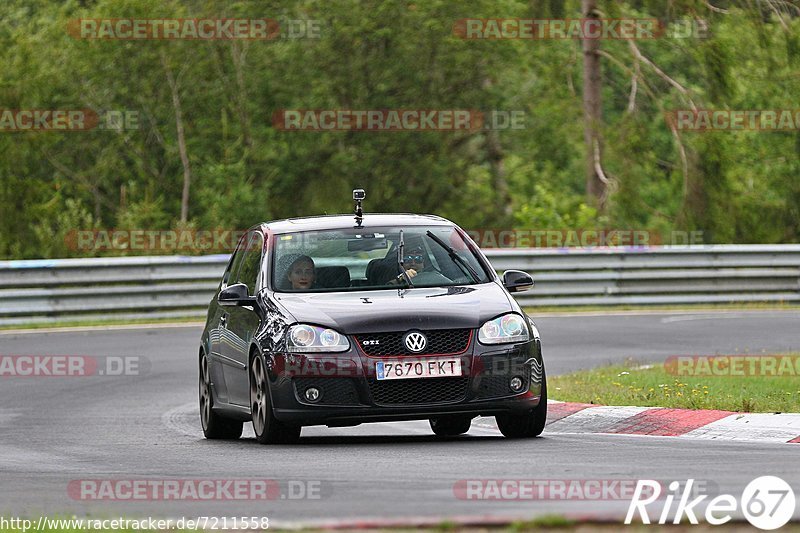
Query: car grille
440 341
418 391
335 391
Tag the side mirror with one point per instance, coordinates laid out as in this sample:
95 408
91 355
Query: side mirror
235 294
517 280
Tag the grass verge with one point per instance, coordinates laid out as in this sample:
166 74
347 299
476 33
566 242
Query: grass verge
101 322
655 386
745 306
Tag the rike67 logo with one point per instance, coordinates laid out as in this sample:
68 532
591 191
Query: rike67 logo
768 502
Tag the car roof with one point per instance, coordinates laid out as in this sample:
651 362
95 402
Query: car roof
370 220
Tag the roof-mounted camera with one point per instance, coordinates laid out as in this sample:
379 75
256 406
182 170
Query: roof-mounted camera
358 197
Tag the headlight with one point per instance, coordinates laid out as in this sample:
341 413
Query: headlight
305 338
504 329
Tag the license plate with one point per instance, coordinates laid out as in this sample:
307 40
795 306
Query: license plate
426 368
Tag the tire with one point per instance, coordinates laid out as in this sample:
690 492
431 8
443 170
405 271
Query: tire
268 429
529 424
450 426
214 426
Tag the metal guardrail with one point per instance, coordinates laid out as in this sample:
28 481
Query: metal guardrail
657 275
133 287
128 287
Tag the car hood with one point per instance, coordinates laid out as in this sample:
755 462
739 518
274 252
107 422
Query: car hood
399 310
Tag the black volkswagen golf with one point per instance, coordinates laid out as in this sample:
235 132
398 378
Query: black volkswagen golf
334 321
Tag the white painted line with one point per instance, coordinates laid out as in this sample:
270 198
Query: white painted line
651 312
715 316
764 427
486 423
184 419
484 431
82 329
598 419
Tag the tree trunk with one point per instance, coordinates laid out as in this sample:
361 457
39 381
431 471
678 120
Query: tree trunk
592 116
187 171
238 55
496 163
496 157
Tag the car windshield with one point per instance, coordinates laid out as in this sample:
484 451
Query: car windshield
361 259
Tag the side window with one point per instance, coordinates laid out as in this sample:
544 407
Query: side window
251 263
229 278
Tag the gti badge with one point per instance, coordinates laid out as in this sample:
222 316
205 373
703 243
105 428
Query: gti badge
415 342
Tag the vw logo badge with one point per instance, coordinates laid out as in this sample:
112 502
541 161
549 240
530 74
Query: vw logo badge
416 342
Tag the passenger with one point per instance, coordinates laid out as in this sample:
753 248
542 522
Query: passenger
301 273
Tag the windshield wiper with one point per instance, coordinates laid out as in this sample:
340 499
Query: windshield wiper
400 250
465 267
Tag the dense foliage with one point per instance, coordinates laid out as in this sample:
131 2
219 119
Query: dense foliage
372 54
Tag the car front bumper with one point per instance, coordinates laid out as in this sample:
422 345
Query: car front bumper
351 394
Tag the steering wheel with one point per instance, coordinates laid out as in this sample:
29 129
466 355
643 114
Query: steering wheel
430 277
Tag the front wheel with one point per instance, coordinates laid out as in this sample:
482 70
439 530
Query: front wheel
268 429
214 426
528 424
450 426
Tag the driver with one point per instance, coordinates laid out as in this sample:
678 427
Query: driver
414 261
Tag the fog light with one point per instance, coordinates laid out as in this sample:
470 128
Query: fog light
312 394
516 383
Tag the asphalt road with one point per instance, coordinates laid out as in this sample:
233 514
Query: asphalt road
57 430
